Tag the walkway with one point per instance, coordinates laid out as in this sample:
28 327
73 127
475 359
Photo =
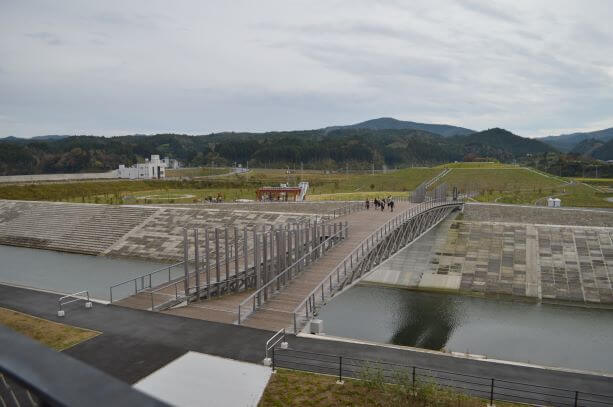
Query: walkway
277 312
136 343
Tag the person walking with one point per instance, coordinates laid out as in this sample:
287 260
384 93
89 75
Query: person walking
367 204
383 205
391 204
376 203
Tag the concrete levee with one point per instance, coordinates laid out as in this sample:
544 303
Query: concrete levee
144 232
537 214
566 262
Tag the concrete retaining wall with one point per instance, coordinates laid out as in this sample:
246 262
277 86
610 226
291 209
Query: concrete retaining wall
537 215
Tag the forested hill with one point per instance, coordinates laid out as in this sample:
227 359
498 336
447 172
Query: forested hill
604 152
501 144
388 123
567 142
325 148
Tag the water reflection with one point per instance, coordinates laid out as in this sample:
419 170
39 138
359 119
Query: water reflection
562 336
426 321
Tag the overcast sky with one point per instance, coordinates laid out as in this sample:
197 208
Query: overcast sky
122 67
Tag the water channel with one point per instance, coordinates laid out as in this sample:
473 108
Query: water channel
68 272
558 336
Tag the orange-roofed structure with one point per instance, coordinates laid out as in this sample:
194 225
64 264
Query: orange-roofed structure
283 193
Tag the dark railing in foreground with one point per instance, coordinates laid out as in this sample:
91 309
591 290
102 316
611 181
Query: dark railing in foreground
33 375
487 388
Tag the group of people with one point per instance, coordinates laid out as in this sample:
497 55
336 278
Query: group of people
381 203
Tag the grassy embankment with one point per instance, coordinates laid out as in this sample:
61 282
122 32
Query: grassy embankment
197 172
322 186
494 182
292 388
474 165
515 185
51 334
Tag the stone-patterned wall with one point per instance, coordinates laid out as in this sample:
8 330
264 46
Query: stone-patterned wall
160 237
562 263
77 228
537 215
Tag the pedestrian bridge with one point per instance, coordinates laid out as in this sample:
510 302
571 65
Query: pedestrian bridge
280 278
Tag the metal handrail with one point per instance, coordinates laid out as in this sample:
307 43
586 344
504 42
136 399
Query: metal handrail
288 269
356 206
378 235
75 297
142 278
268 346
203 287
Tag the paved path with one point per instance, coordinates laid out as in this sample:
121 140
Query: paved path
277 312
135 343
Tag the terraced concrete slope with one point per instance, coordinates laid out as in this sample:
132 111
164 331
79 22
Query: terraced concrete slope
145 232
160 236
77 228
524 256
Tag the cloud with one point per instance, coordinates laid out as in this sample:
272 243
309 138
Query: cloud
45 37
142 66
487 9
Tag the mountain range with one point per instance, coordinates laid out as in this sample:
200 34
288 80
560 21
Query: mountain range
382 141
567 142
389 123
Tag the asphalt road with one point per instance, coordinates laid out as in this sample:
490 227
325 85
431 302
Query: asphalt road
135 343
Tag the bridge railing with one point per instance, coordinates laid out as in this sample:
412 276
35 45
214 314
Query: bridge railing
357 206
174 291
328 285
145 281
256 299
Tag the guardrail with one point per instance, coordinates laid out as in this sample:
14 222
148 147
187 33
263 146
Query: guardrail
414 377
74 297
146 280
283 278
346 265
280 336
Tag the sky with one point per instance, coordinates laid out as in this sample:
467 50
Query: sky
535 67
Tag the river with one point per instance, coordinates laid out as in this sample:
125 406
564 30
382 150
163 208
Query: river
558 336
68 272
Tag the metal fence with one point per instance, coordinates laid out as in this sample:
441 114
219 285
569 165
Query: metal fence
488 388
337 277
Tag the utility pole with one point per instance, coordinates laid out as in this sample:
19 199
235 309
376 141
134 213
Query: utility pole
373 168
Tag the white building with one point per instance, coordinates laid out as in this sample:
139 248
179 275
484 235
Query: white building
171 163
150 169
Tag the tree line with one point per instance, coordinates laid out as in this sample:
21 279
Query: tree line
335 149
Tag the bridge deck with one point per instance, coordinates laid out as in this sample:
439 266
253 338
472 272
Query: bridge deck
277 312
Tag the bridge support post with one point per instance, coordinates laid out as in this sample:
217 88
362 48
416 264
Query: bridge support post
217 265
197 264
186 263
207 256
236 268
227 253
245 256
256 260
265 265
